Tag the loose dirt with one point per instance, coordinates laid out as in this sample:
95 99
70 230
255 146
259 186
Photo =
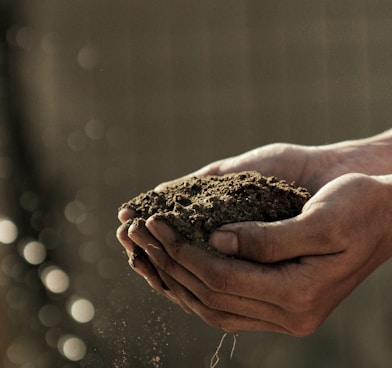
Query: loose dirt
196 206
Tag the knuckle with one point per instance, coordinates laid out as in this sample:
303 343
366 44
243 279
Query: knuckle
306 302
305 326
212 300
301 304
216 282
167 265
122 232
257 243
213 319
267 251
305 313
134 232
119 231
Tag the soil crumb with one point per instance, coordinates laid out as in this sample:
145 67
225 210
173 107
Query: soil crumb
196 206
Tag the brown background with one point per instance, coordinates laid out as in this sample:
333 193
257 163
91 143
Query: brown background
115 96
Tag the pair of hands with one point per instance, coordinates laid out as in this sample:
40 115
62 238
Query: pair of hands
340 237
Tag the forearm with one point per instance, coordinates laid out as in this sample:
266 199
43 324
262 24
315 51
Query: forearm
386 213
371 156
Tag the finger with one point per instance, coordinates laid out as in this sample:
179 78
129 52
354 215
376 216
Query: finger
294 287
271 242
138 260
140 263
243 306
220 274
139 236
149 273
229 322
229 165
123 238
269 318
125 214
172 294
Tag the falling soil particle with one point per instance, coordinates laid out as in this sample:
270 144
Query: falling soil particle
196 206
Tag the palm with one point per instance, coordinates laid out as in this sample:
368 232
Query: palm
294 163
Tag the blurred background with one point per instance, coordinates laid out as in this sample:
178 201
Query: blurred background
103 99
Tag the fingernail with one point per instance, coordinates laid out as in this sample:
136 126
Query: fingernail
124 214
132 257
137 252
225 242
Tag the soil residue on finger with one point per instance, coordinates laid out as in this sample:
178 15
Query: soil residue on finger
196 206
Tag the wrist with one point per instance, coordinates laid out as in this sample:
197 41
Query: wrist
370 156
385 190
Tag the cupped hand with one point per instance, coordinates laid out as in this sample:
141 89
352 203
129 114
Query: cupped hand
138 260
285 276
274 159
305 165
308 166
311 167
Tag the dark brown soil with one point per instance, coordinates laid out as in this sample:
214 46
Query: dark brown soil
195 207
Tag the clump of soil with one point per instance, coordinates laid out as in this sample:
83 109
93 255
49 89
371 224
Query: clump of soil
196 206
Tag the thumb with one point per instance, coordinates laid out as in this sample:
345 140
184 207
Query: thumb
268 242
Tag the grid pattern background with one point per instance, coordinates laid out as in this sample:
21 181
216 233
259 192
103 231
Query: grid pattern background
121 95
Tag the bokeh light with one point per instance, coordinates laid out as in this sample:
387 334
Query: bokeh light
90 251
16 353
87 58
95 129
81 310
29 201
49 43
89 226
25 38
75 212
34 252
16 298
8 231
55 279
50 315
103 100
72 347
53 336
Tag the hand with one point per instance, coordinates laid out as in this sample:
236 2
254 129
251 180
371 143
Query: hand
274 159
138 260
306 166
285 276
309 166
